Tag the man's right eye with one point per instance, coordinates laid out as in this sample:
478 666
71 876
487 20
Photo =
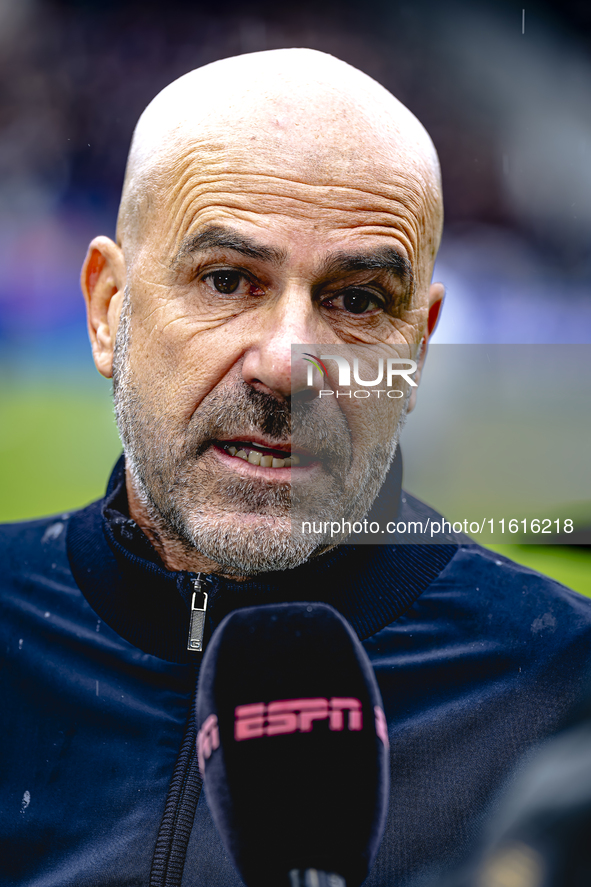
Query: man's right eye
225 282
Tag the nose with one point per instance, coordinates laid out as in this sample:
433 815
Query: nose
292 320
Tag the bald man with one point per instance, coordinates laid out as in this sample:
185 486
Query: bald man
269 200
272 203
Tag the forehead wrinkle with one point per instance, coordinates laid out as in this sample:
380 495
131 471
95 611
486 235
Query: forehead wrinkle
399 209
197 173
283 105
195 162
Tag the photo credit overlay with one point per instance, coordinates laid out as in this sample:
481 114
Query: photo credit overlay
495 441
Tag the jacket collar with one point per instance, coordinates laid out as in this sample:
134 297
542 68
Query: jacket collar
125 582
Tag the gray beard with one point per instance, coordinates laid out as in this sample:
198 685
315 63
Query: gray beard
203 516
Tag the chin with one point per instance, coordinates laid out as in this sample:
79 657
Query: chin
248 544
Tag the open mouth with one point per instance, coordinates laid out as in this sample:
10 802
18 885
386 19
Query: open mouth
257 454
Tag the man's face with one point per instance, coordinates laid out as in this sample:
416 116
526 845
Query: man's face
242 257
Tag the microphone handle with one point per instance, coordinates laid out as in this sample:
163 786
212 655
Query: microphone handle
314 878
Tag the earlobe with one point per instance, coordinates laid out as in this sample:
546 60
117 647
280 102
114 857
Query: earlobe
103 285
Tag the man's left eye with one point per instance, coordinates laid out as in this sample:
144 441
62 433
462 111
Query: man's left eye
356 301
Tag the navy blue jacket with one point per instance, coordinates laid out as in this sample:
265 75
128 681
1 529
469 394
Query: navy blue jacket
476 657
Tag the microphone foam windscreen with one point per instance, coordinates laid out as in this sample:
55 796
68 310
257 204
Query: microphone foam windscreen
293 744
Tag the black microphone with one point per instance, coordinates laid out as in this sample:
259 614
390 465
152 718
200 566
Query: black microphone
293 746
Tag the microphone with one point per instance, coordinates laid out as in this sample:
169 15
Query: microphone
293 746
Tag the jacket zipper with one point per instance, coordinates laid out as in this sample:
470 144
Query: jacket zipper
198 613
170 851
168 861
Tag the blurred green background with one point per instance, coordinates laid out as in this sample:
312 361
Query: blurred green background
59 441
58 444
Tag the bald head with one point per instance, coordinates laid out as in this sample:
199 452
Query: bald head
270 200
287 114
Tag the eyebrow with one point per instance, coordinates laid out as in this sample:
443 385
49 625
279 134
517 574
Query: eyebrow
218 237
384 259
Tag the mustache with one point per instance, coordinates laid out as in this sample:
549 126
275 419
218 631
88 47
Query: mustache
300 420
242 410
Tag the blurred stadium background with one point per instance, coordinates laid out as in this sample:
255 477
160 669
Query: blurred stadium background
505 93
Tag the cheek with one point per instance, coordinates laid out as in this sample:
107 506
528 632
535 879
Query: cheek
177 360
372 420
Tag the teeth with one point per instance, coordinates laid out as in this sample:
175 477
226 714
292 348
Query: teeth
257 446
264 459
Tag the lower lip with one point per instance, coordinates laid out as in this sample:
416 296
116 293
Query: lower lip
276 474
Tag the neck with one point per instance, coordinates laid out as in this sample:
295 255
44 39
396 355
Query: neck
175 553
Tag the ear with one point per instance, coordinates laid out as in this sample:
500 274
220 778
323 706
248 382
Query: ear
436 296
103 285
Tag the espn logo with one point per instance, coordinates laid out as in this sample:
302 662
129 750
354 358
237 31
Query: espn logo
208 739
295 716
288 716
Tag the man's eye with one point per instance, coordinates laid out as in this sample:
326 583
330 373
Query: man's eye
225 282
356 301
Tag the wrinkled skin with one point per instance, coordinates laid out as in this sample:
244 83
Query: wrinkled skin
323 164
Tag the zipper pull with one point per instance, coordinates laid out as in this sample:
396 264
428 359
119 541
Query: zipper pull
198 611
